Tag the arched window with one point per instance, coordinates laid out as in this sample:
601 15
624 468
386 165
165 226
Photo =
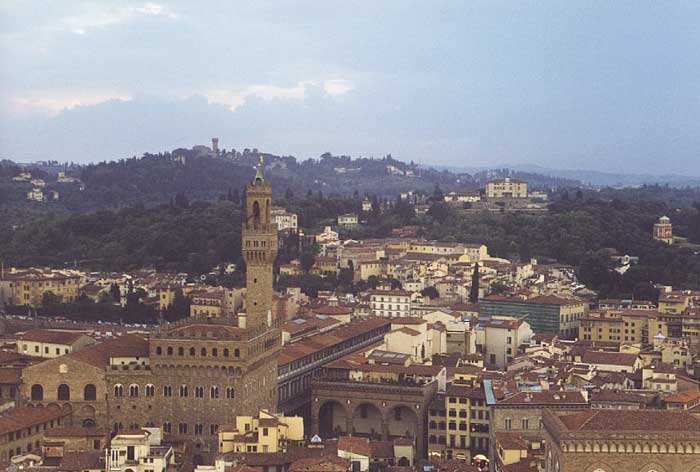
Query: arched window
118 390
64 392
236 352
159 350
204 352
256 212
225 352
180 351
167 427
229 392
133 390
215 352
199 392
37 393
170 350
183 390
167 391
214 392
191 351
90 393
150 390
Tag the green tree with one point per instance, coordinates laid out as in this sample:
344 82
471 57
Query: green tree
307 259
474 290
430 292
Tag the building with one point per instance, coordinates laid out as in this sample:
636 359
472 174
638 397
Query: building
500 339
390 303
262 433
348 220
663 230
285 220
302 361
51 343
622 326
544 314
462 197
188 377
22 429
28 286
522 412
380 402
506 188
613 440
138 451
207 303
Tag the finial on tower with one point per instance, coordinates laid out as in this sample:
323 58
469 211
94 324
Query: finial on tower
259 170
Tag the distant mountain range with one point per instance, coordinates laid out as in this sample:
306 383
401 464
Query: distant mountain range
589 177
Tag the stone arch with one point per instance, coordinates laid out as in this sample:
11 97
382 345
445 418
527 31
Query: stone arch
37 393
332 419
652 467
89 423
88 411
67 407
367 420
599 467
63 392
402 420
90 392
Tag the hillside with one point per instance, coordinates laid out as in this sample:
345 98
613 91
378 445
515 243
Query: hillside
201 174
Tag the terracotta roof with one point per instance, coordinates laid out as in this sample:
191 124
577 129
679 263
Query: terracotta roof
511 441
544 397
75 431
683 397
10 375
74 461
20 418
381 449
320 464
98 355
630 420
355 445
609 358
52 336
317 342
409 331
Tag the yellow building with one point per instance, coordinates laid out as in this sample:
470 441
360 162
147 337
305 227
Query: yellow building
673 302
28 286
52 343
663 230
263 433
208 303
506 188
624 326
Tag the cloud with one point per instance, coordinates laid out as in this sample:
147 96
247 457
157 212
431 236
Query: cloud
234 99
335 87
93 17
53 104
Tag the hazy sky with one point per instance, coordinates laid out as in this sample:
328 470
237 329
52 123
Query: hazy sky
609 85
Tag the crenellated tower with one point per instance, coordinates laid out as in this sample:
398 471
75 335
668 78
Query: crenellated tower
259 246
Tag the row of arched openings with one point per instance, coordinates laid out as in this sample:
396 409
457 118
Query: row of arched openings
63 392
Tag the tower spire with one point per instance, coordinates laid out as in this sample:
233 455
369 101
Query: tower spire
259 170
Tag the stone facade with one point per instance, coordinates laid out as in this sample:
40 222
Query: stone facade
379 411
610 441
190 376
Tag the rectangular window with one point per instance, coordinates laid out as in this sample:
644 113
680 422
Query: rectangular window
508 423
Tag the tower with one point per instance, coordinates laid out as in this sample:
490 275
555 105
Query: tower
259 246
663 230
215 145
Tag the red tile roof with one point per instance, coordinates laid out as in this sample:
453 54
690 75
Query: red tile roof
52 336
630 420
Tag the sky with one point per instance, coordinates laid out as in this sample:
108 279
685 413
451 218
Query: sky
597 85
